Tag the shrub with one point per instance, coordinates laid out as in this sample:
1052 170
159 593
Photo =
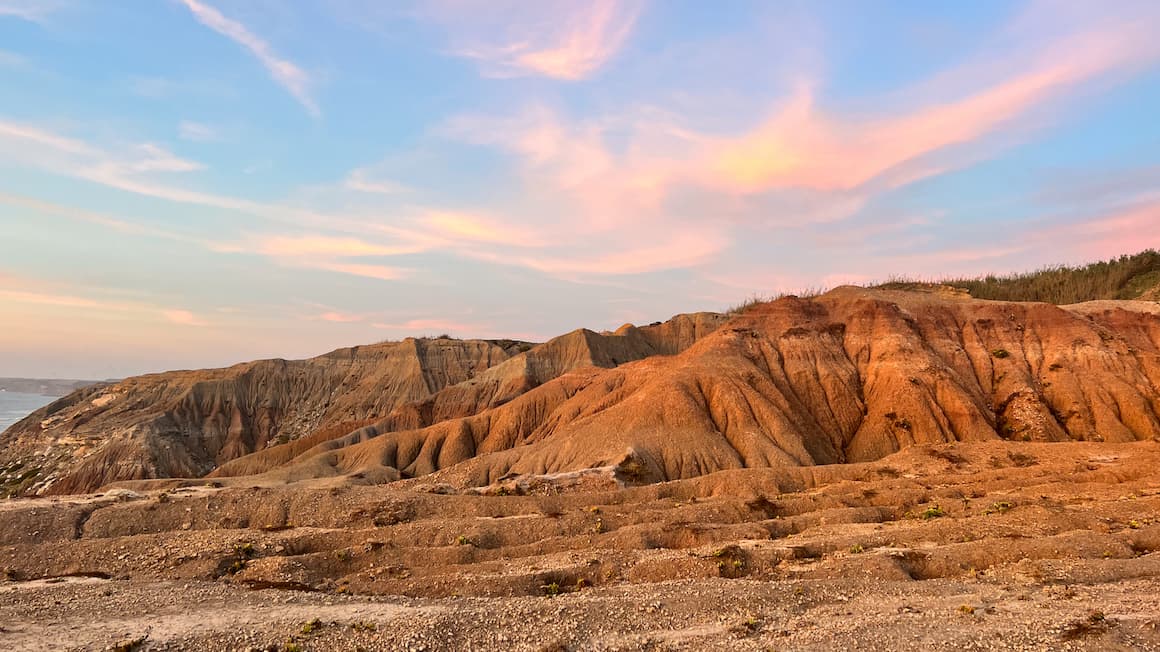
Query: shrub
934 511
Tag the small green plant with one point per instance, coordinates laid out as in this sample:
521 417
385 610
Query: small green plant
311 626
462 540
747 627
857 549
999 508
966 609
1134 524
934 511
363 626
291 647
552 589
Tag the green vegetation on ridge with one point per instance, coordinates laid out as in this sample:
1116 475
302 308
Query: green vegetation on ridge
1127 277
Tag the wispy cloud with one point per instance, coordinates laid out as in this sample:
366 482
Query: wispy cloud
363 180
284 72
339 254
552 38
89 301
30 10
428 326
340 317
183 318
11 60
197 132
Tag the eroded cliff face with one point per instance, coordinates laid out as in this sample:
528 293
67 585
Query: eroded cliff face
186 423
503 383
851 376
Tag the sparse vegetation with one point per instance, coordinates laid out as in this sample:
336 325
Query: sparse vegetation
934 511
999 508
747 627
551 589
857 549
757 300
363 626
311 626
1126 277
1000 354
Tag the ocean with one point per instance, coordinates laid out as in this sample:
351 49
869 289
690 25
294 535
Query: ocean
14 406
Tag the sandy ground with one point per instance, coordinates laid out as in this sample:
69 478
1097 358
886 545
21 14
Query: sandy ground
988 546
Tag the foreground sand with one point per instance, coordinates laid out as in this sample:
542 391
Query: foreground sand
985 546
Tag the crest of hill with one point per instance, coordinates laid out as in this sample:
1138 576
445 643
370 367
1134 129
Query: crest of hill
186 423
189 423
850 376
1134 276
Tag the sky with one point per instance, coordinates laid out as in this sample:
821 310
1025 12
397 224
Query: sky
193 183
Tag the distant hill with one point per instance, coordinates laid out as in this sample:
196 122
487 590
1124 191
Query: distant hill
44 386
1127 277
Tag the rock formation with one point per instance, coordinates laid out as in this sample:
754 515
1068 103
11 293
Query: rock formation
186 423
850 376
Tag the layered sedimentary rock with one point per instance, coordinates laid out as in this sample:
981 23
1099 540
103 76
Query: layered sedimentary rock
850 376
186 423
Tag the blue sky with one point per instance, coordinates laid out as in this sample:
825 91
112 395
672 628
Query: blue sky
188 183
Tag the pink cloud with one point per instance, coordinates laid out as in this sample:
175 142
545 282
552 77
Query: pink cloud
183 318
1116 232
340 317
553 38
322 246
420 326
804 146
380 272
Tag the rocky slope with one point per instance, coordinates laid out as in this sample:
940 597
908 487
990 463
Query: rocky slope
188 423
185 423
851 376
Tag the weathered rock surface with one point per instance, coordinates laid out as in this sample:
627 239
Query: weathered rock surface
851 376
186 423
